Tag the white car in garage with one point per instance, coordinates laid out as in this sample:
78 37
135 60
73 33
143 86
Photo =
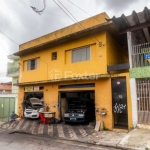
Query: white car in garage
33 108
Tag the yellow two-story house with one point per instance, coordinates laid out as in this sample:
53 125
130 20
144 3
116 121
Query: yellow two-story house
82 61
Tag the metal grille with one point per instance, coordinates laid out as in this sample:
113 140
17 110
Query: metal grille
140 54
143 95
13 70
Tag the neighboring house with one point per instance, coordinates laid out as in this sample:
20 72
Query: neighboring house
7 101
13 71
136 27
87 60
9 92
5 88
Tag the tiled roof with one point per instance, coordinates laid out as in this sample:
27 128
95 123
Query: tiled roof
6 87
137 23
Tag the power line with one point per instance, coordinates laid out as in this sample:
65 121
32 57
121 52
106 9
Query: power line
23 48
47 11
9 38
4 48
17 43
71 14
83 11
76 20
68 15
64 11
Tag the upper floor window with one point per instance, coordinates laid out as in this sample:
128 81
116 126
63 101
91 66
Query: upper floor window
81 54
54 56
32 64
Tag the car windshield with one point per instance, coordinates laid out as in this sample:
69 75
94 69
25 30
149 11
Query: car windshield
35 101
77 105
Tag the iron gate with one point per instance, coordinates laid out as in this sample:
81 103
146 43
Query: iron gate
7 105
143 100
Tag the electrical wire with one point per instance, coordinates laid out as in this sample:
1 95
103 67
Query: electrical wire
68 15
63 11
84 11
47 11
71 15
76 20
18 44
4 48
9 38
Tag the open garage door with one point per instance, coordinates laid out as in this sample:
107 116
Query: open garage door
79 106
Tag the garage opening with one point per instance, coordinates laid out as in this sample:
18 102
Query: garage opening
78 106
33 104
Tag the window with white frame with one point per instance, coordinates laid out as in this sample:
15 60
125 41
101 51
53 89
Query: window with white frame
32 64
81 54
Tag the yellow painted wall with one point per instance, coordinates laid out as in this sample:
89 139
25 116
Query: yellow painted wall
87 23
96 64
115 53
103 97
109 52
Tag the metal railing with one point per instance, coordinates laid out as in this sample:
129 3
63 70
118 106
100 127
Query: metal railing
13 70
141 55
143 100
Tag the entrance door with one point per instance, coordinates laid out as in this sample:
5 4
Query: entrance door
7 105
119 101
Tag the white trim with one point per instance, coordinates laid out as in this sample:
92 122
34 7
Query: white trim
134 102
129 47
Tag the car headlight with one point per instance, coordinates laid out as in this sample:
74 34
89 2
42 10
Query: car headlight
35 111
41 110
81 115
66 115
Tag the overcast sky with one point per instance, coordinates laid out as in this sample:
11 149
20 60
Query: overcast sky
21 24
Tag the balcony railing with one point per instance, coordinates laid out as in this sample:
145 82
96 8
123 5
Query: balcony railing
140 55
13 70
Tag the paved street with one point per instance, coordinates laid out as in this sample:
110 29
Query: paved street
73 132
84 133
31 142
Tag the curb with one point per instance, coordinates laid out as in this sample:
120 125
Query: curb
85 142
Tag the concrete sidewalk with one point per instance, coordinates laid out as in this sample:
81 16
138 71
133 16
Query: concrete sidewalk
137 139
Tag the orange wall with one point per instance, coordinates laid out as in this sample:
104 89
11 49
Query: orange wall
96 64
87 23
103 97
115 53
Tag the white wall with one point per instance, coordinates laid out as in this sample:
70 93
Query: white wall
134 102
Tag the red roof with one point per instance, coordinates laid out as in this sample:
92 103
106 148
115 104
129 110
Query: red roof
6 87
